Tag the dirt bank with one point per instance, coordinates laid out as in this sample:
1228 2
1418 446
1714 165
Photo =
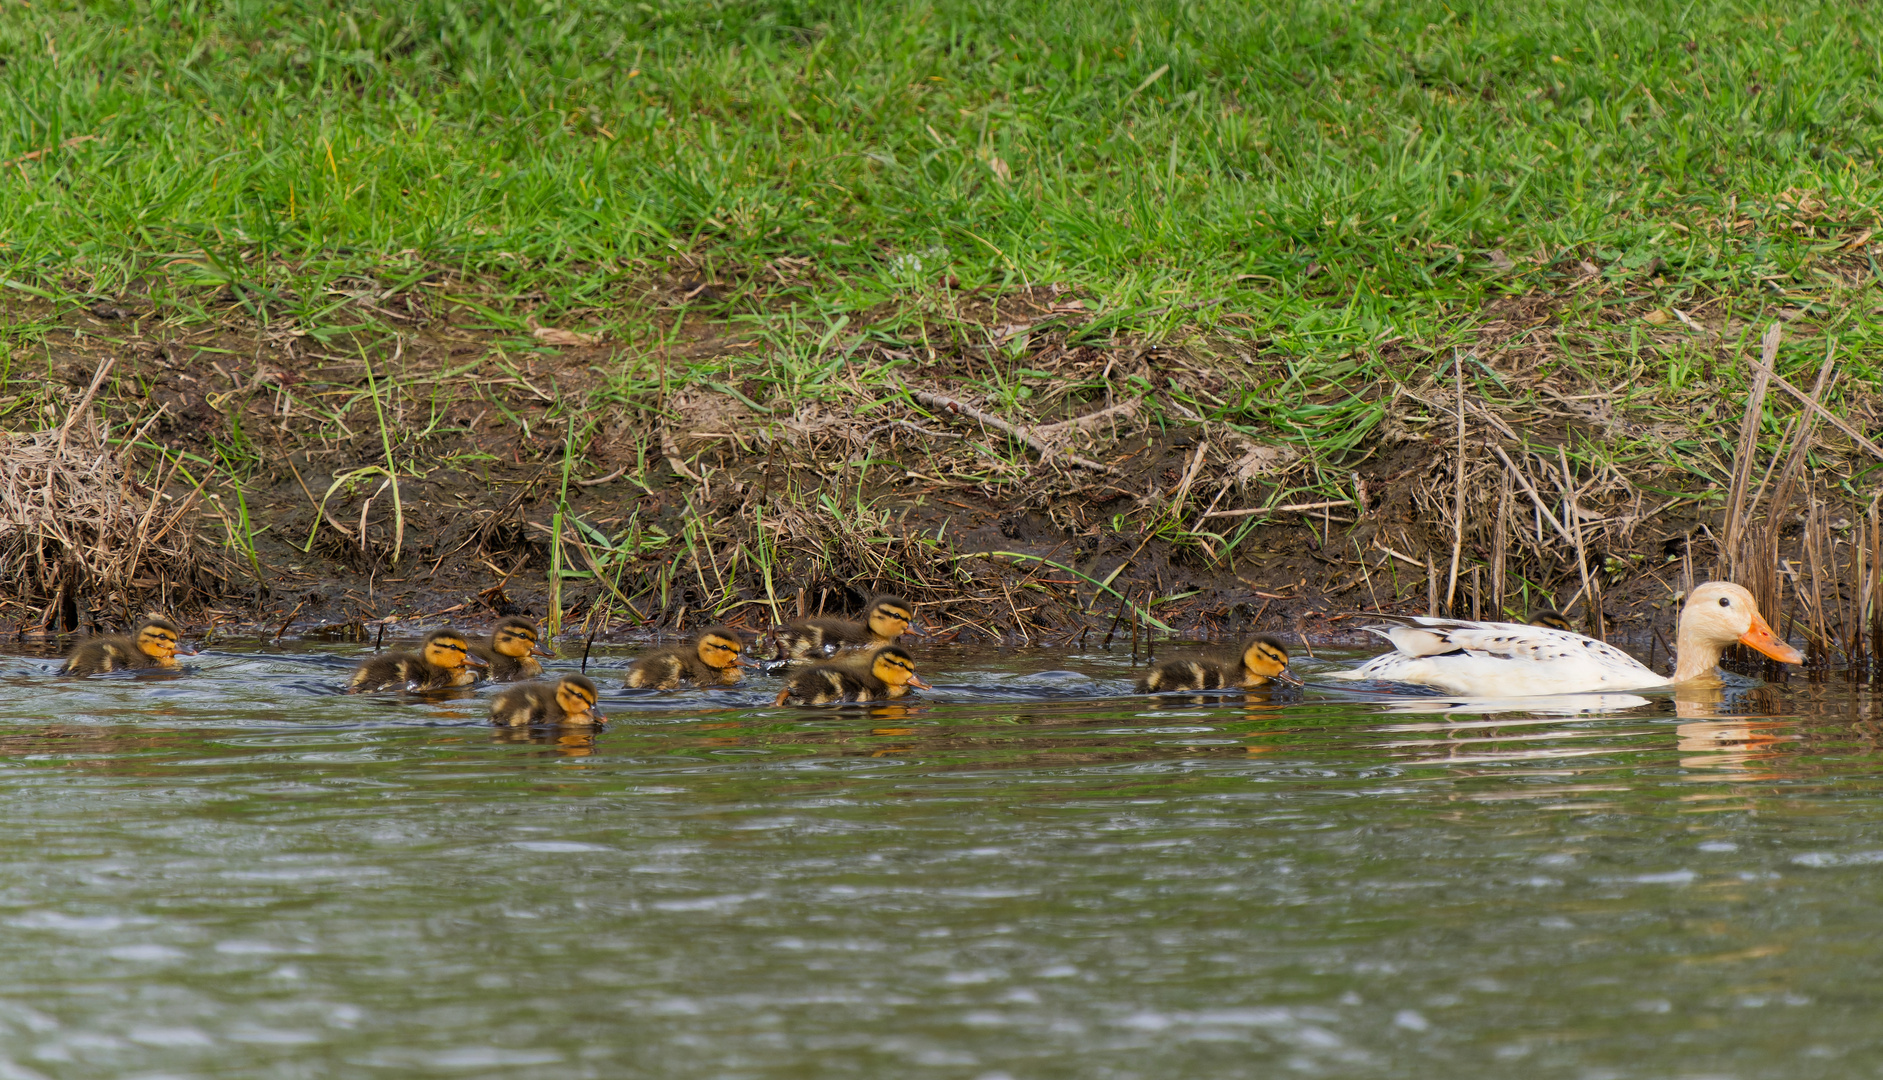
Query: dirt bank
1018 474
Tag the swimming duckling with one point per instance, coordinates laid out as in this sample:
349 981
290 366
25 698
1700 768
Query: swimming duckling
888 672
710 659
568 700
512 651
154 643
884 620
1551 618
439 664
1261 660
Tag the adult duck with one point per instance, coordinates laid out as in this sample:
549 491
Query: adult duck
1489 660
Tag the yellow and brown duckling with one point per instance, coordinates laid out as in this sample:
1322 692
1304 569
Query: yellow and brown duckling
710 659
877 675
512 651
885 619
1262 660
154 642
568 700
1553 619
443 660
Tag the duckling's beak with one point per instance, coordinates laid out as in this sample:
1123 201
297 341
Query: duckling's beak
183 650
916 681
740 661
1760 636
912 628
1287 677
538 650
596 715
475 660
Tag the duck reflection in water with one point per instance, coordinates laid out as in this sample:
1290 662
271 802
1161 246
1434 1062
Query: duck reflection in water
1733 748
572 740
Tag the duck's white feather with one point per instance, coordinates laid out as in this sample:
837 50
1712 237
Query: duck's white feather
1490 659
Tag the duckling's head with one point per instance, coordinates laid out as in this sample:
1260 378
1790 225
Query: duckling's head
448 649
158 638
577 696
896 667
516 636
889 617
1720 613
1266 656
719 648
1552 619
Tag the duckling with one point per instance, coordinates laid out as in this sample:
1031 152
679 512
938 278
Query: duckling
154 643
1253 665
1552 619
878 675
884 620
512 651
439 664
710 659
568 700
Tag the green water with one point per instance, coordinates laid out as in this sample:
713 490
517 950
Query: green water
240 873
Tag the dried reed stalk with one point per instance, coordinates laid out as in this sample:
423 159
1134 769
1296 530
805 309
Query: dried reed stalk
1500 547
1592 601
1748 449
1873 591
1458 486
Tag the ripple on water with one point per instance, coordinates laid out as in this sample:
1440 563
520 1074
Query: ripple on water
242 871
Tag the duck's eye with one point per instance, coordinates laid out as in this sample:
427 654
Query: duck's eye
1726 601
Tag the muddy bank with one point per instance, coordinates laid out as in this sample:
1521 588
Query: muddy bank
1021 482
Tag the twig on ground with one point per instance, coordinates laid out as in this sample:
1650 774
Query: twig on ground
1531 491
1046 450
84 403
1288 509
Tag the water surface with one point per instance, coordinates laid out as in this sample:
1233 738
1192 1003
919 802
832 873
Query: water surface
239 872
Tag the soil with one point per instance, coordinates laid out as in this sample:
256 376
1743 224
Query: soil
482 419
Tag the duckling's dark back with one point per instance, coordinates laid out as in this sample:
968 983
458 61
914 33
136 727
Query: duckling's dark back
1552 619
507 668
662 669
102 654
1199 672
1204 669
826 684
529 703
401 671
386 671
810 638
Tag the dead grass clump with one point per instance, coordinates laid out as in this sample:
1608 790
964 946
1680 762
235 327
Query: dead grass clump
76 529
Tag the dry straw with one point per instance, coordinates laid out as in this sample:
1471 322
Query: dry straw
75 525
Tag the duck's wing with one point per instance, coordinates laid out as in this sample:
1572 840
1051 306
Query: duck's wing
1498 659
1423 635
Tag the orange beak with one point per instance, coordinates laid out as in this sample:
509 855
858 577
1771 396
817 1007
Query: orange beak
475 660
1761 637
740 661
538 650
919 684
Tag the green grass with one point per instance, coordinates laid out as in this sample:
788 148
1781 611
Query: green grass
1334 173
1334 190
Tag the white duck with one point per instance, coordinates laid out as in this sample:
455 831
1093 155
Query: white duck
1489 660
